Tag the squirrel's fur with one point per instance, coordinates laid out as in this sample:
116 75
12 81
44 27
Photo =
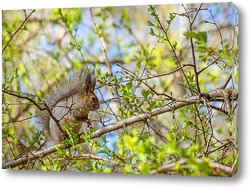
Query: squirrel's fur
69 103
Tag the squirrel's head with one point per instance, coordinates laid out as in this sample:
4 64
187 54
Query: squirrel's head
88 101
88 96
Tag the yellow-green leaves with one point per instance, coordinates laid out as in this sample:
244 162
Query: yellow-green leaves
139 150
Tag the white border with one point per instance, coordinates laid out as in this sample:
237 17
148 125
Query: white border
27 4
44 180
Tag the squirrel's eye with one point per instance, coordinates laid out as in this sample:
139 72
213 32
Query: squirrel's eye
93 98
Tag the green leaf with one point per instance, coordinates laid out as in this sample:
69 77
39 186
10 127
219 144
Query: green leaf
145 93
107 170
129 85
174 45
201 36
144 168
152 11
104 139
150 23
171 18
151 32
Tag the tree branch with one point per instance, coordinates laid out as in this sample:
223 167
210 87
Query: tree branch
212 96
193 48
108 64
216 168
45 108
89 157
211 63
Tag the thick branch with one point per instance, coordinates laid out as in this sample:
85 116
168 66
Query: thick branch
212 96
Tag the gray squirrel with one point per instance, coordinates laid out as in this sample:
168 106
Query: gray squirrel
69 104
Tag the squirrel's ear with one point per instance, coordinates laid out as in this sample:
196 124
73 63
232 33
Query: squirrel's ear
87 84
87 79
93 83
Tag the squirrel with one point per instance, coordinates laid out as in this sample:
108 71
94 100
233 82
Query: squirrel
69 103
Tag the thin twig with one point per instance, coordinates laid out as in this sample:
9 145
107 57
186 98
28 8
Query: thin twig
23 97
211 63
135 76
88 156
229 77
71 34
217 27
18 29
108 64
196 14
16 121
192 47
173 50
40 108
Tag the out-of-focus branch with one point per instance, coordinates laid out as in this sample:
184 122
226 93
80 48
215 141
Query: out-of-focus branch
217 169
108 64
